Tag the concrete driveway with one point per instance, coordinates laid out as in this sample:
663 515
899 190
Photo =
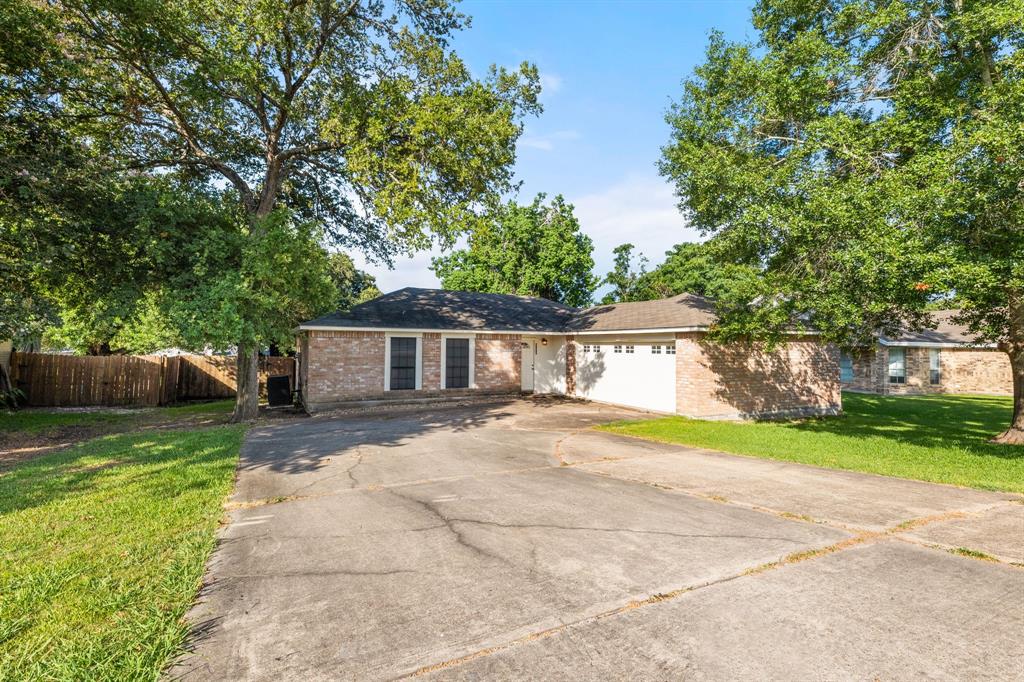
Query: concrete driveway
509 541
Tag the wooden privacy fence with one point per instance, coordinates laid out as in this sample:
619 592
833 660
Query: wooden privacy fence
132 380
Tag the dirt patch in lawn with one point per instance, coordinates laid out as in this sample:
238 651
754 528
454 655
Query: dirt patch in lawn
19 446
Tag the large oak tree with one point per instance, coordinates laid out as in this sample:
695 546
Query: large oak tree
870 155
350 122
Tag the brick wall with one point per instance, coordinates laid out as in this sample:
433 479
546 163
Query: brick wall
339 367
431 362
737 380
498 362
963 370
867 371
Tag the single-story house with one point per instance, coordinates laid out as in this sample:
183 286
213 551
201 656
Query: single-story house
651 355
941 360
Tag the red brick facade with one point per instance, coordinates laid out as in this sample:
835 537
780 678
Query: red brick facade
498 362
715 381
712 381
341 366
961 370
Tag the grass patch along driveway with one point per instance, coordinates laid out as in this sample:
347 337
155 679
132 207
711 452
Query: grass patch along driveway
930 438
102 550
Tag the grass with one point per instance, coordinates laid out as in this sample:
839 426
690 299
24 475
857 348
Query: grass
32 421
942 439
103 547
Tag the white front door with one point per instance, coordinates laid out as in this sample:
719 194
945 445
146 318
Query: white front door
549 365
526 369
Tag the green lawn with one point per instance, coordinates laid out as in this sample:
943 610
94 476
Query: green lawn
930 438
102 549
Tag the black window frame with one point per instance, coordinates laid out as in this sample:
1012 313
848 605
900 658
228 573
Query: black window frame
402 368
457 363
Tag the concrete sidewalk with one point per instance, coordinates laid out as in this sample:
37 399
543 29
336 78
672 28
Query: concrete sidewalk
511 541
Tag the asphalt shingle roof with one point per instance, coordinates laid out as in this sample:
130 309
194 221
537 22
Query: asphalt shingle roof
946 331
413 308
684 310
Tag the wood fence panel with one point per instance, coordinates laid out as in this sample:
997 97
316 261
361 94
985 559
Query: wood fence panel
126 380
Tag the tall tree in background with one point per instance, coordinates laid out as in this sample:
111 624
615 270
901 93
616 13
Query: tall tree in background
691 268
871 156
626 276
352 285
349 121
533 250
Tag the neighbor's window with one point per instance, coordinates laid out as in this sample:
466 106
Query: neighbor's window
656 350
629 348
456 363
618 349
934 367
897 366
845 367
403 363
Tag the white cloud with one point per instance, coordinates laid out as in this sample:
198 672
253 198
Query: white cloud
546 141
550 83
639 209
408 272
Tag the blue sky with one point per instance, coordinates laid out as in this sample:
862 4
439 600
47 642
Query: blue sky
610 70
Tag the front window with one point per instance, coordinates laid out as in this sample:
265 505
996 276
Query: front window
656 350
403 363
897 366
617 349
456 363
670 350
629 349
845 367
934 367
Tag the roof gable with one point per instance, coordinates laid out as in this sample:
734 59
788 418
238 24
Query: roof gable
946 332
413 308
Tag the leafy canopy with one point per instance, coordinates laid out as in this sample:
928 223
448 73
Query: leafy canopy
352 285
688 268
869 156
626 276
532 250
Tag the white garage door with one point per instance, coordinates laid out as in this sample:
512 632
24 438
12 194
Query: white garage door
628 373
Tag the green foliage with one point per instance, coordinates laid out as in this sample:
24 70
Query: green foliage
236 287
868 156
930 438
533 250
626 278
701 269
356 115
352 285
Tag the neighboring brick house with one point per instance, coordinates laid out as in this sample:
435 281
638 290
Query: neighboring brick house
653 355
940 360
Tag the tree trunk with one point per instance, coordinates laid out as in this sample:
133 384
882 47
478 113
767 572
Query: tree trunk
247 395
1014 347
1015 434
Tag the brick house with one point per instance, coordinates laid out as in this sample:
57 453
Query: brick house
652 355
940 360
